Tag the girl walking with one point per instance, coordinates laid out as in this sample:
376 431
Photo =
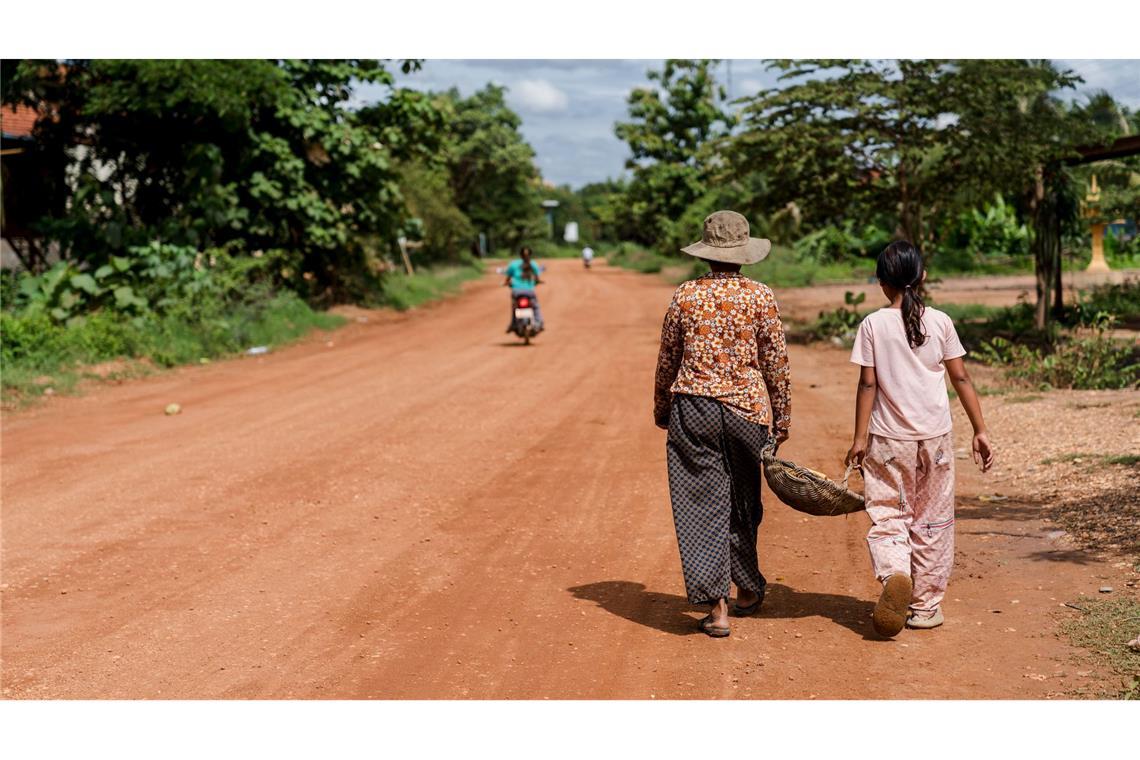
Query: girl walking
903 442
722 391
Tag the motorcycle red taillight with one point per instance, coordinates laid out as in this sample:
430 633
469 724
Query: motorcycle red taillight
524 302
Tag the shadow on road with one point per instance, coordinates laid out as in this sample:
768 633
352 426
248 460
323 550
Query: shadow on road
665 612
854 614
670 613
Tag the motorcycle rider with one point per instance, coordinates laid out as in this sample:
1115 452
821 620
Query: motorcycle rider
587 256
522 277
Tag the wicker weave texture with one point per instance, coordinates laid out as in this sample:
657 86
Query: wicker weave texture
807 491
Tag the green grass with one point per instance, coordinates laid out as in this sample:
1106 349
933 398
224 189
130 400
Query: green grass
783 269
547 249
639 259
38 354
1025 399
963 312
1103 629
401 291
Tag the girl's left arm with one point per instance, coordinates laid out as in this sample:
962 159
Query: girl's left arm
983 452
864 400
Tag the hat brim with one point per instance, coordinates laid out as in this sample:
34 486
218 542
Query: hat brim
756 249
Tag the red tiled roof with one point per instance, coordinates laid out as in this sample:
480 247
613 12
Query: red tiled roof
17 121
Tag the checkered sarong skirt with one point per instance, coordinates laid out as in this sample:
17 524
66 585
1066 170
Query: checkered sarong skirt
714 486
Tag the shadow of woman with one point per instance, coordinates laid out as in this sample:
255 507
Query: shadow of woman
667 613
670 613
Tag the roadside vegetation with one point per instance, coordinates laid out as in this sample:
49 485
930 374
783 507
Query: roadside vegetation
1079 351
1103 627
239 200
403 291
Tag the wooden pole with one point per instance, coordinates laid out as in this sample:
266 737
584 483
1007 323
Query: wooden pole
407 259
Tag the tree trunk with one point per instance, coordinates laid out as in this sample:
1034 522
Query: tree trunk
1058 291
1042 252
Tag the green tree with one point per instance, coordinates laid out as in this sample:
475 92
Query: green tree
446 230
253 155
850 137
1014 135
493 175
672 132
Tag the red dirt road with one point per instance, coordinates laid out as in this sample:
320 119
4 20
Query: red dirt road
428 510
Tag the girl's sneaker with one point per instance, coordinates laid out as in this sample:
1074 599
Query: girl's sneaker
889 616
925 621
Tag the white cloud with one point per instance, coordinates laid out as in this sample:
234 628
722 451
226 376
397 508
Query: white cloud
539 95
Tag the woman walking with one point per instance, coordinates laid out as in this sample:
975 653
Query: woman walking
722 391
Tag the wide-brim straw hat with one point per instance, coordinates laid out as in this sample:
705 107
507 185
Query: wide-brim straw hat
725 238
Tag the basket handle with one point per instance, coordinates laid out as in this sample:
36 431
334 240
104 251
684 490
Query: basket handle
847 473
768 452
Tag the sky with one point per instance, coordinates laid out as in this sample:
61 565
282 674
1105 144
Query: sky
569 107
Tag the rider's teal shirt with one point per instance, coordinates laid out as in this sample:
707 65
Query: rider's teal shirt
518 281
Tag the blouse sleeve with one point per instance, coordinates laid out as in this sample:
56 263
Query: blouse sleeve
951 346
773 359
863 350
668 364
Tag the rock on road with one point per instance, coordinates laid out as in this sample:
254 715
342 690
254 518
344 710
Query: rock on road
427 509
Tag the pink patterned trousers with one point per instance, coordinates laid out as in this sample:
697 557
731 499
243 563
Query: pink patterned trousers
909 490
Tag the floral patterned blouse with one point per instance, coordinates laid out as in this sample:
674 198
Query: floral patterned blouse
723 339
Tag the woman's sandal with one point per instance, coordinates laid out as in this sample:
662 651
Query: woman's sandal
747 610
716 631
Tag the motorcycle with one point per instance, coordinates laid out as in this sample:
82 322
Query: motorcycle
524 323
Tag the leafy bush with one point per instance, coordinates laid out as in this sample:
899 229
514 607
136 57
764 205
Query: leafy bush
992 232
1082 362
1121 253
833 243
35 348
1119 299
168 304
841 323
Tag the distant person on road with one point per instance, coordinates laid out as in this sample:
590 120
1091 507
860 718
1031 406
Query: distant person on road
523 277
723 392
587 256
904 445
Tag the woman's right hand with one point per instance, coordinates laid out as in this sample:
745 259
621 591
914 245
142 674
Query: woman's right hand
856 453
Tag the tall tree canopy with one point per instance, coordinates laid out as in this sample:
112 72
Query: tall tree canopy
671 133
917 142
493 175
268 157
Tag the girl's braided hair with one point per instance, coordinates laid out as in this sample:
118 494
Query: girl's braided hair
900 266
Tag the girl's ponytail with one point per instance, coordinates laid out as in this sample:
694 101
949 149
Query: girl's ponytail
900 267
912 309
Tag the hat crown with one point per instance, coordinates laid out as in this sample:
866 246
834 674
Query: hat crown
725 229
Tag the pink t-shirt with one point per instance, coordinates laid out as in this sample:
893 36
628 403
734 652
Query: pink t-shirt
911 403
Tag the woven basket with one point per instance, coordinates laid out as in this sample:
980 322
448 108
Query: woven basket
809 491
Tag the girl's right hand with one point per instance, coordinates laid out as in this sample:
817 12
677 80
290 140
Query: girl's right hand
856 453
983 453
